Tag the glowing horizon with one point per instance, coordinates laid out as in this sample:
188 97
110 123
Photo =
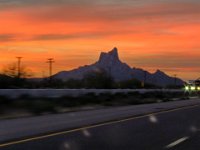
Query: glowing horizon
152 35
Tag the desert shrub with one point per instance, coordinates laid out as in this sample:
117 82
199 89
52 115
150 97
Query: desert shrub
42 106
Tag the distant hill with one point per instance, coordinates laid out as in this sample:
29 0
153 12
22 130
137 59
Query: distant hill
119 71
5 81
4 77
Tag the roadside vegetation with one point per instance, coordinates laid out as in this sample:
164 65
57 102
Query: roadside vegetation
27 105
90 81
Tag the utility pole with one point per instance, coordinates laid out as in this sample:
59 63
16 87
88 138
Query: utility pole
50 61
144 79
175 78
19 66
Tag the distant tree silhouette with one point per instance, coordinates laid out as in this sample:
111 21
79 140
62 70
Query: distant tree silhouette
130 84
99 79
17 79
5 81
73 84
11 70
55 83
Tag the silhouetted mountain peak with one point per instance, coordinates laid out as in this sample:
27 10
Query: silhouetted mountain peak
114 53
110 56
158 72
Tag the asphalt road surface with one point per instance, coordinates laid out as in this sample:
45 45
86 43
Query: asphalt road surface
176 129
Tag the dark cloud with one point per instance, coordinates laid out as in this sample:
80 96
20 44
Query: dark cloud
170 60
67 13
7 37
88 35
44 37
49 37
22 3
107 10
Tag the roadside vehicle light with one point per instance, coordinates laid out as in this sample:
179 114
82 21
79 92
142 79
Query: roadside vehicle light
187 88
193 88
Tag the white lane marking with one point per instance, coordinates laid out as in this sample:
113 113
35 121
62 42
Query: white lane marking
94 126
177 142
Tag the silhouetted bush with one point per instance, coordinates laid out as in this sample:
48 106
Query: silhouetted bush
73 84
130 84
98 80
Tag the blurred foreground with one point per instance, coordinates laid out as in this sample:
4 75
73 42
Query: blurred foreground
28 105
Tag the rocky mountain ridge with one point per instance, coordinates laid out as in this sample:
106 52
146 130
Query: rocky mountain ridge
119 71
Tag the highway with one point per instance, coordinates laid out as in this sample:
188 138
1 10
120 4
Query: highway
176 128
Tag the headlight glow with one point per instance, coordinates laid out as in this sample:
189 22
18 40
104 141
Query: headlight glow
193 88
187 88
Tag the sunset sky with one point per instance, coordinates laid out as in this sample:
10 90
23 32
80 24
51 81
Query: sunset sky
149 34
